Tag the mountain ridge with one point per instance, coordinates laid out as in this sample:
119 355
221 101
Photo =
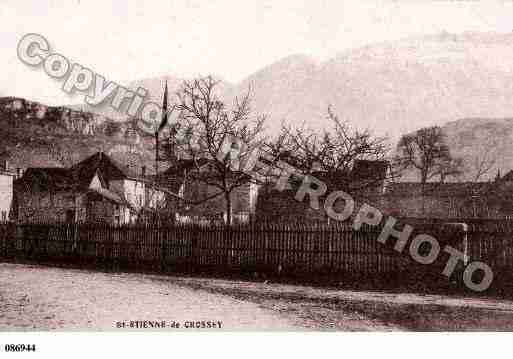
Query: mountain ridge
394 87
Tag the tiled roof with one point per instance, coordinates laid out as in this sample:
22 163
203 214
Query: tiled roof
84 171
79 176
44 179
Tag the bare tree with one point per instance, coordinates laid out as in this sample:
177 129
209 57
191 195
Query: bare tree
206 122
426 151
478 166
332 150
484 160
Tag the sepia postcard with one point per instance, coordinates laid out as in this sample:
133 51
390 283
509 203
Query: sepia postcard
176 167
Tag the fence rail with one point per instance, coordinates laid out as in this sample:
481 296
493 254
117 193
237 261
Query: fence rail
304 251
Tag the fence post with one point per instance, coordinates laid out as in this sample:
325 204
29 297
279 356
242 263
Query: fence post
163 253
464 228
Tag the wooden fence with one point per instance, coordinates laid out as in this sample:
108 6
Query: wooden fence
312 252
263 248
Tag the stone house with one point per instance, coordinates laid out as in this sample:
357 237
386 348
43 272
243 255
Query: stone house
369 182
202 202
366 181
450 200
96 189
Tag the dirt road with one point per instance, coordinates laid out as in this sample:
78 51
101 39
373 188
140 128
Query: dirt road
43 298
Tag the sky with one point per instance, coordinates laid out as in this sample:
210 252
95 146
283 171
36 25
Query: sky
132 39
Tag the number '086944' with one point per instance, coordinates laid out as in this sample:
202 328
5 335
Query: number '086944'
20 347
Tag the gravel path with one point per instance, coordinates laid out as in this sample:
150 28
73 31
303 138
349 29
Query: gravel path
42 298
351 310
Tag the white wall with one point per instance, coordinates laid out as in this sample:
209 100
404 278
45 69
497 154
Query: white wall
6 182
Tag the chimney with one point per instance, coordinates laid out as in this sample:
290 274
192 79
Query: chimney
143 171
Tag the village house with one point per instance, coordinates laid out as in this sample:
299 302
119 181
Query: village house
493 199
96 189
371 182
366 181
202 202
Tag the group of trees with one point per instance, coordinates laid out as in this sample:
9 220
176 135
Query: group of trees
333 149
204 121
426 151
